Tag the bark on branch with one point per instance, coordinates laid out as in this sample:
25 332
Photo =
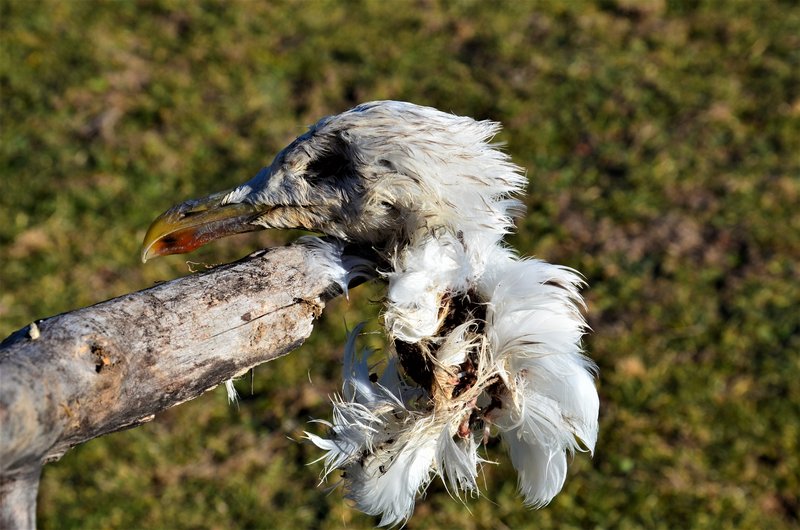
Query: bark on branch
72 377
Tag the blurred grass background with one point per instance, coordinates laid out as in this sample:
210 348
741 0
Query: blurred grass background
662 139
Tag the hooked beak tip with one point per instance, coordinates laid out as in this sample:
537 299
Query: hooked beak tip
194 223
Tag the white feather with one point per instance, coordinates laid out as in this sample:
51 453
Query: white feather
542 469
534 326
422 274
389 479
388 443
233 396
330 261
457 460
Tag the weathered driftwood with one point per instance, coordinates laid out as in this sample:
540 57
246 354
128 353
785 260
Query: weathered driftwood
70 378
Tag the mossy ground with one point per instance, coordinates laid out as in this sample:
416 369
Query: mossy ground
662 141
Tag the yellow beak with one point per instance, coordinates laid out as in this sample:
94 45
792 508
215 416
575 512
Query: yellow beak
194 223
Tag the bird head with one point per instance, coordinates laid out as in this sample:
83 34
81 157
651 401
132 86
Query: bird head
376 174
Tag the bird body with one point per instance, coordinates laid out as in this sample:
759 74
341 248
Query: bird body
479 340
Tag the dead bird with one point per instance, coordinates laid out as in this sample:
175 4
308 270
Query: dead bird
480 340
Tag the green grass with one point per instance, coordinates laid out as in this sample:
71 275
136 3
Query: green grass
661 139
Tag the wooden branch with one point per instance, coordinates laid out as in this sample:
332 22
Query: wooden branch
70 378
